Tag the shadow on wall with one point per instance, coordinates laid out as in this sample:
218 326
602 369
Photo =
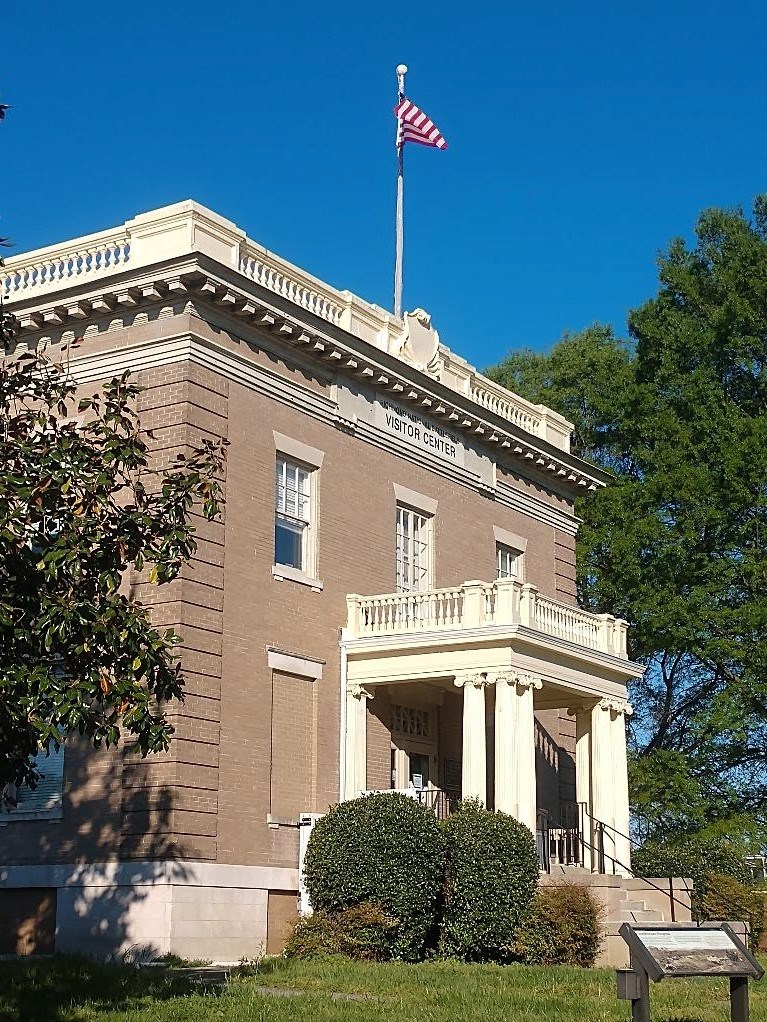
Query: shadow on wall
93 880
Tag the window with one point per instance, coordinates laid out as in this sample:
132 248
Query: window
509 554
44 802
414 551
506 561
293 539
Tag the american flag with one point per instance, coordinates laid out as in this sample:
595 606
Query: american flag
414 126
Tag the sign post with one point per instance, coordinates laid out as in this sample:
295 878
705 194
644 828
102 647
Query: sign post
672 950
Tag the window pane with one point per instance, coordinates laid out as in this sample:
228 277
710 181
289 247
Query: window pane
507 562
288 542
413 551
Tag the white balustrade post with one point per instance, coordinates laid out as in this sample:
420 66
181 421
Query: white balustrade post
473 603
607 624
621 634
353 615
474 752
356 740
527 601
515 789
507 591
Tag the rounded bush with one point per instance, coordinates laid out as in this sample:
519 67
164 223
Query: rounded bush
386 849
564 927
492 874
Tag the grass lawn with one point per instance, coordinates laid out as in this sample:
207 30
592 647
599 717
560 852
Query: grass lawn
65 989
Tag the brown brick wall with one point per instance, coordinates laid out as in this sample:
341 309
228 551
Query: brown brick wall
292 730
228 767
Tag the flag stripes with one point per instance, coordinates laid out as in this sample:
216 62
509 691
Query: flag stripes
413 125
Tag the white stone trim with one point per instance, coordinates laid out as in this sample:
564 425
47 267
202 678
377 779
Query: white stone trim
281 572
236 367
534 507
510 539
411 498
297 450
292 663
180 872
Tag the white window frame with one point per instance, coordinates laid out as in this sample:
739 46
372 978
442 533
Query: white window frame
509 545
410 522
507 562
305 459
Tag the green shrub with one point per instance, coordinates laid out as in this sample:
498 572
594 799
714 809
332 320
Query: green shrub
386 849
698 857
492 872
728 898
364 933
564 927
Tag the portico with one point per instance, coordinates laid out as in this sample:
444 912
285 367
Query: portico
508 653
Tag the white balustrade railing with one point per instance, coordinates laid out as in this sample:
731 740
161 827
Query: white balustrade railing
568 622
508 405
62 265
477 604
187 229
290 282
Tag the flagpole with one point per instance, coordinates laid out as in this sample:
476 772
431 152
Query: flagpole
401 72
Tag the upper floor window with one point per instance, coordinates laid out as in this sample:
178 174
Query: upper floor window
293 525
507 562
414 550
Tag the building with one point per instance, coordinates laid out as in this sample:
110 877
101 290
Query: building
388 602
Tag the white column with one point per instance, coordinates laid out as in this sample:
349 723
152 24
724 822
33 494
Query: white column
583 777
609 780
356 740
621 787
474 754
515 747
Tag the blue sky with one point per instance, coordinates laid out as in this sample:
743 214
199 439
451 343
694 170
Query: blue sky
582 138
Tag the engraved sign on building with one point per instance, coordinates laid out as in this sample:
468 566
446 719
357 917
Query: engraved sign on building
419 432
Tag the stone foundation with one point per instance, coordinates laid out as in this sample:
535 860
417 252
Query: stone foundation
144 910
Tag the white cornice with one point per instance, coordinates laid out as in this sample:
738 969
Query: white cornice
189 246
336 349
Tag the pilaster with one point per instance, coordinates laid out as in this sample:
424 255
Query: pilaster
356 740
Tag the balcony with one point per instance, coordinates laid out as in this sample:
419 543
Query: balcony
498 605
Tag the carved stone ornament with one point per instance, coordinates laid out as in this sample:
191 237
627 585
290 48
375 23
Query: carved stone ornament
475 678
616 706
419 345
359 692
526 681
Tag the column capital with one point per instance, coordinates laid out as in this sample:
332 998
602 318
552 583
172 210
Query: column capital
360 692
616 706
476 678
522 682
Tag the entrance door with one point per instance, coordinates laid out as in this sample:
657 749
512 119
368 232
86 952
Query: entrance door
419 770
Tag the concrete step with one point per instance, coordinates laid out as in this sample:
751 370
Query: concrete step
644 916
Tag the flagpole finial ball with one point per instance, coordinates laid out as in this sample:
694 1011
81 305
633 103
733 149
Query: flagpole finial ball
401 69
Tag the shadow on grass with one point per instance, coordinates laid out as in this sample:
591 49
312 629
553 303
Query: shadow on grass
57 989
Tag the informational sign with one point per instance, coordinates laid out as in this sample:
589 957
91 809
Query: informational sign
419 432
691 951
682 949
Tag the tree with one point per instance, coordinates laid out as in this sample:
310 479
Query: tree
677 543
81 509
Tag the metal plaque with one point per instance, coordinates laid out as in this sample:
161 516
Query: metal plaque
687 950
